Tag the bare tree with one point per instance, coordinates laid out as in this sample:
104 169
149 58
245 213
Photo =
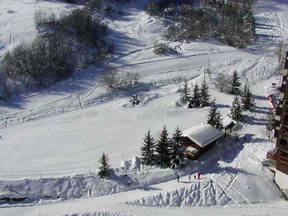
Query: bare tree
110 78
221 81
280 51
130 80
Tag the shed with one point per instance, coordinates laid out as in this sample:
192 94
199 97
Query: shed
198 139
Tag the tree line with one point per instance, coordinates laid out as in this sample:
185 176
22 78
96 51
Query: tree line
164 152
232 23
64 44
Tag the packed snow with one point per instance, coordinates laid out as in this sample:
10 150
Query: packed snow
51 139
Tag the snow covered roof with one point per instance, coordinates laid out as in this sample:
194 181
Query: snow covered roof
202 135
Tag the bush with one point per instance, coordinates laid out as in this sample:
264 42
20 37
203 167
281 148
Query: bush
112 80
162 49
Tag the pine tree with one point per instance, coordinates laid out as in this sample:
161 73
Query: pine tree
104 166
204 94
235 84
176 150
247 100
218 120
195 99
214 116
162 148
236 109
185 93
148 150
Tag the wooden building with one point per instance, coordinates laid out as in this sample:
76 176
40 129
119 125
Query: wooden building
280 154
199 139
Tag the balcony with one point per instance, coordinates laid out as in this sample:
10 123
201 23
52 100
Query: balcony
282 160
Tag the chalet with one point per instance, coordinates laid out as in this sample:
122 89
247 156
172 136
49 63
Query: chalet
199 139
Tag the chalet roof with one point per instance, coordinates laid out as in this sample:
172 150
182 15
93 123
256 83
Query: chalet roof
202 135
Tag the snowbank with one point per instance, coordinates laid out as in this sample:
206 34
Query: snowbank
201 193
99 213
80 186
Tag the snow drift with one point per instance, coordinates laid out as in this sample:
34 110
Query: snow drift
204 193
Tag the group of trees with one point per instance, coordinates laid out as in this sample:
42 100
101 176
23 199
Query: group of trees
65 43
243 101
199 98
112 79
232 23
167 152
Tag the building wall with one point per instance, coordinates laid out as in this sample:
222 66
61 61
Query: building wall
282 181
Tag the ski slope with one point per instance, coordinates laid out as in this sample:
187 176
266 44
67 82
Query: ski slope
63 130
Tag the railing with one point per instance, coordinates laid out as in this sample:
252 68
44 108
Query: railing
283 160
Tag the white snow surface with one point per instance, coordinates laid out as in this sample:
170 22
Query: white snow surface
53 138
202 134
199 193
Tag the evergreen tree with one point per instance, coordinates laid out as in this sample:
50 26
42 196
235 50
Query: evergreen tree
185 93
247 100
236 109
235 84
214 116
148 149
218 120
204 94
195 99
176 151
162 148
104 166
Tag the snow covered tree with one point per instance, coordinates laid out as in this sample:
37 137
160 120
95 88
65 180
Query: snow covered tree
247 100
162 148
176 150
235 84
214 116
218 120
236 109
204 94
185 93
270 122
104 166
148 150
221 82
195 99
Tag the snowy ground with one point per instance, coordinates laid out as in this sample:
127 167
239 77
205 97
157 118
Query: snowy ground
86 121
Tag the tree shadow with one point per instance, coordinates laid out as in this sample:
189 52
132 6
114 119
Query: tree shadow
255 121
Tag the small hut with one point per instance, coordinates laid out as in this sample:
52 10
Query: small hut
199 139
